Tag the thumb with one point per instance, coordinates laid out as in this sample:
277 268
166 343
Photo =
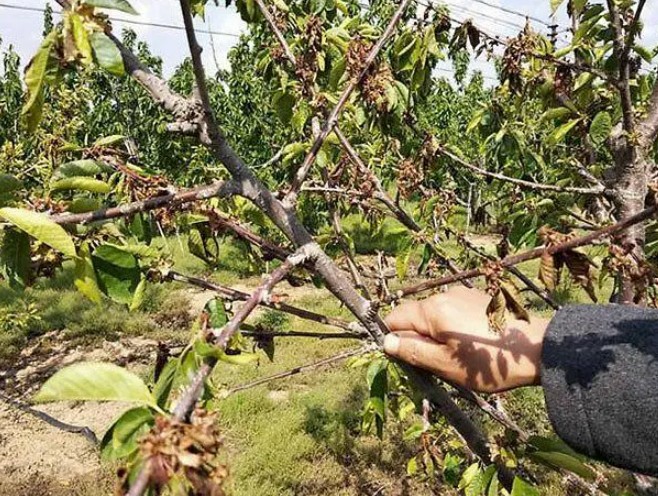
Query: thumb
417 350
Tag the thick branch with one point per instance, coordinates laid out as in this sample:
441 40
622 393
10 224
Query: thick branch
620 52
220 189
195 52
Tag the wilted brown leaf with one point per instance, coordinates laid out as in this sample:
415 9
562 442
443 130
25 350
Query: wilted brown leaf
496 311
513 301
580 267
548 271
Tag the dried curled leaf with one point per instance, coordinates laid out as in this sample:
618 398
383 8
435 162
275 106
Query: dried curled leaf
513 301
548 271
496 311
580 267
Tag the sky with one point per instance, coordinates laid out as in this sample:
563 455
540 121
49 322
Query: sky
23 29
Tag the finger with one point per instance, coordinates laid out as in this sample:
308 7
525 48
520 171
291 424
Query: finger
408 316
417 350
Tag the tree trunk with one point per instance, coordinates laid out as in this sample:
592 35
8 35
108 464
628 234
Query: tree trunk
630 191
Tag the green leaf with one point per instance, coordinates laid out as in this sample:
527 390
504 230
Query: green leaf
9 184
247 9
336 72
600 128
80 168
578 5
412 466
561 132
162 387
216 313
522 488
95 382
85 276
121 5
80 36
562 460
15 263
107 54
402 260
493 487
35 80
120 440
553 444
480 482
469 475
117 272
375 368
414 432
555 4
644 52
301 116
556 113
82 205
283 105
109 140
138 296
40 227
81 184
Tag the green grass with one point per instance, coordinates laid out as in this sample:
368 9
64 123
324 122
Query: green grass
301 435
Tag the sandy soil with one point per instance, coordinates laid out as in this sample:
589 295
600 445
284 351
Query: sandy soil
39 459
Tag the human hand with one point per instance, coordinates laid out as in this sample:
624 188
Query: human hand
448 334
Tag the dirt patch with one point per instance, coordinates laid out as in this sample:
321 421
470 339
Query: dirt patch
36 458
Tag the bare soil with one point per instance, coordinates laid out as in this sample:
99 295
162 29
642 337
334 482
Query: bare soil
37 458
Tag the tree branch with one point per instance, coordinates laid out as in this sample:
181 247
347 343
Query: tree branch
298 370
220 338
235 295
532 254
621 53
519 182
220 189
331 121
255 334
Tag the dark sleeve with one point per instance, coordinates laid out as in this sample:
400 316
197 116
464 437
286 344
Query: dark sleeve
600 379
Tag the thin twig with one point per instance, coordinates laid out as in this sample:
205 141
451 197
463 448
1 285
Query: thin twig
237 295
533 254
257 334
298 370
519 182
331 121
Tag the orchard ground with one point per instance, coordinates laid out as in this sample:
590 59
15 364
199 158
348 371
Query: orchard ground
300 435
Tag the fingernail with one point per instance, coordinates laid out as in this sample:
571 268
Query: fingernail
392 344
